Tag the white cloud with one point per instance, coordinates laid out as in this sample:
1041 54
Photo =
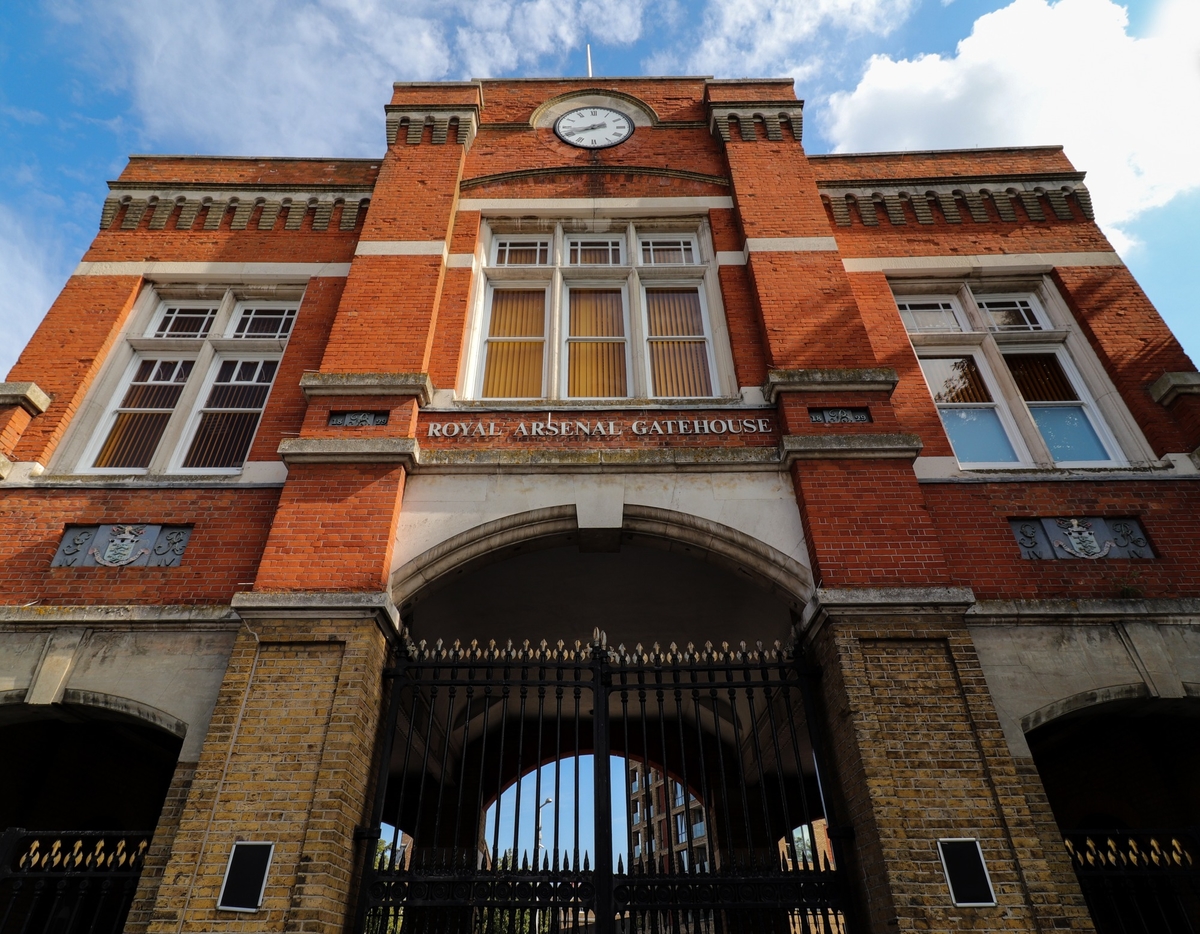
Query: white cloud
33 271
308 77
1127 109
739 38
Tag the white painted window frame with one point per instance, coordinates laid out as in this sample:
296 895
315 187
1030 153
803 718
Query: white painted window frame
519 285
633 276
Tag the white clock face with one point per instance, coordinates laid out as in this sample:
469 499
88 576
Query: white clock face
594 127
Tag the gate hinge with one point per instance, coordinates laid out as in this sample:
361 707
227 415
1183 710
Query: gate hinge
366 833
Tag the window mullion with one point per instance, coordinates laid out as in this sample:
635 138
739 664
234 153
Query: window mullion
556 353
168 454
1014 403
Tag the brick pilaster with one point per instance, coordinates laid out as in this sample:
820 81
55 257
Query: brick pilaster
285 765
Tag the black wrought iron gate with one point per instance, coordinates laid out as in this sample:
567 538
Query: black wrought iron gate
590 788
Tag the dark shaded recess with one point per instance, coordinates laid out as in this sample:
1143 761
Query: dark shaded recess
636 595
68 767
1127 765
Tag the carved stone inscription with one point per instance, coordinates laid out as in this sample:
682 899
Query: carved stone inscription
1090 538
125 545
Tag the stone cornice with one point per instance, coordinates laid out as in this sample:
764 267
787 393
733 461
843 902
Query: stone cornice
772 114
403 451
414 119
1035 192
849 445
368 384
378 606
1170 386
293 202
28 396
867 379
553 171
876 604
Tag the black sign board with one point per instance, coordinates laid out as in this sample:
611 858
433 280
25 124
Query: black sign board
966 873
246 877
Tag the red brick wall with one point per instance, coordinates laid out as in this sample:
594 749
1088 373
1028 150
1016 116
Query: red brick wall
1134 344
971 520
229 530
334 529
66 352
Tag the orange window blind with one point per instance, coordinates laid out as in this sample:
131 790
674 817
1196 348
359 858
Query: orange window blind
596 344
516 345
678 350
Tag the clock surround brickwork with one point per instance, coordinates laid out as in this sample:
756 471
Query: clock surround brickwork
875 531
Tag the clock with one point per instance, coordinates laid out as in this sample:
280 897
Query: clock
593 127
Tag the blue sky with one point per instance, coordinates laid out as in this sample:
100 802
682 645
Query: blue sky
83 83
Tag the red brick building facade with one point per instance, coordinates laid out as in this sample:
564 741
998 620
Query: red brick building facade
580 355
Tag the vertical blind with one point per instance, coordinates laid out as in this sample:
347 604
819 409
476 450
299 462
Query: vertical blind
515 345
1040 377
143 413
596 344
678 350
955 380
230 414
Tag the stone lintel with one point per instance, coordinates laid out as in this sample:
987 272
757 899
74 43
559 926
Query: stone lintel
876 603
866 379
368 384
6 467
1183 611
102 615
1170 386
682 458
844 446
402 451
375 605
28 396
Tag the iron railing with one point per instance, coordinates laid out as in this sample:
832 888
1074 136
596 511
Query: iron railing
68 882
1139 882
497 812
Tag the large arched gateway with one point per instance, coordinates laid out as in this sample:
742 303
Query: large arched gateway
615 739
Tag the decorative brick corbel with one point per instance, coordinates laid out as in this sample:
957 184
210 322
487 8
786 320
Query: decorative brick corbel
772 114
439 115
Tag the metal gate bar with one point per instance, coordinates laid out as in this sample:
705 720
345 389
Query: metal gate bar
68 882
1139 882
681 785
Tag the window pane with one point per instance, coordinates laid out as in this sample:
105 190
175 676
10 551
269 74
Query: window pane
513 370
680 368
186 322
928 316
596 368
518 313
143 413
1068 433
596 253
597 313
222 440
674 313
224 434
265 322
667 252
1010 314
133 439
955 379
1040 377
522 253
977 436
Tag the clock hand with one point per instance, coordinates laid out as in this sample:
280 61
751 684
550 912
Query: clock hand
594 126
